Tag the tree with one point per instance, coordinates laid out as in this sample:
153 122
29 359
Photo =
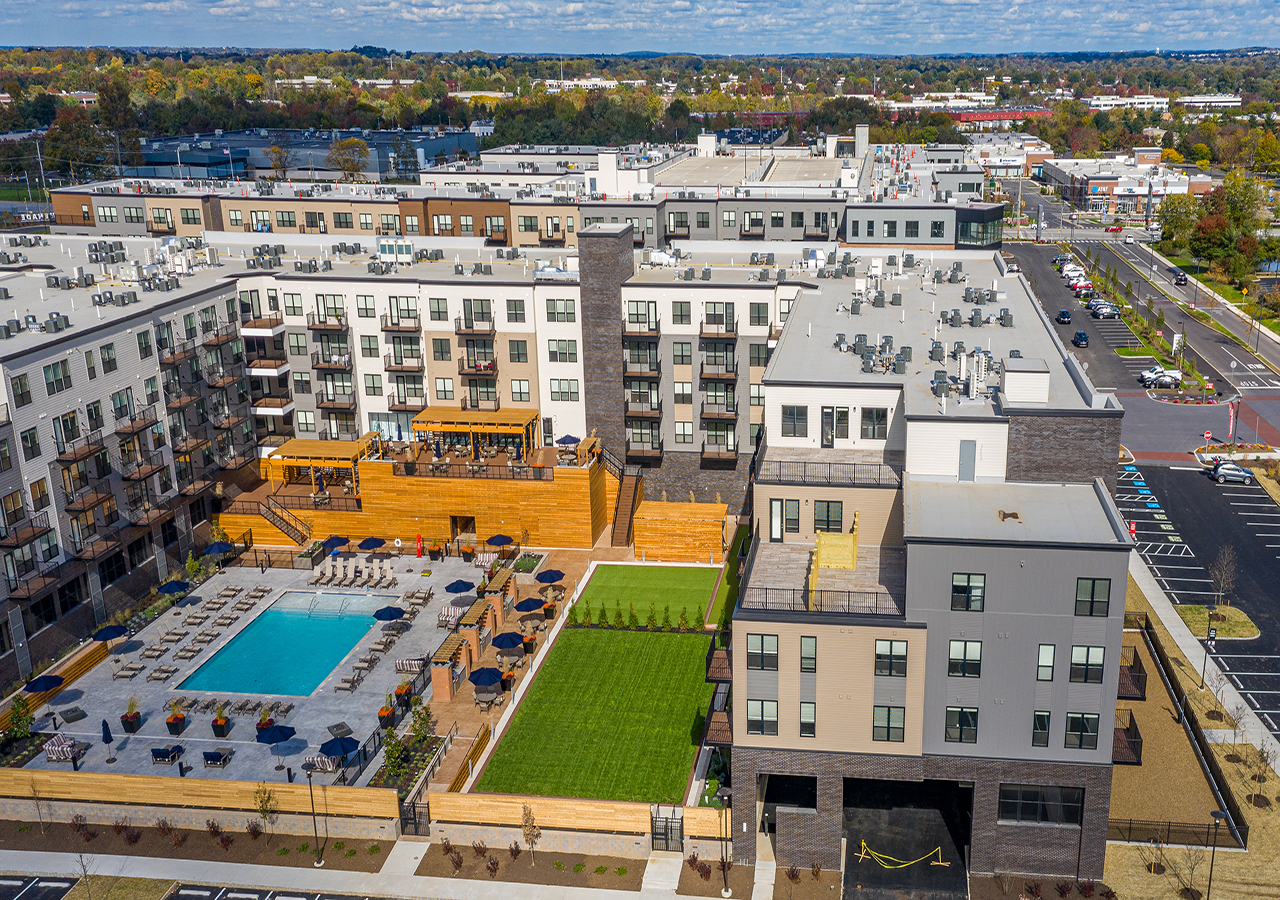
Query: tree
1177 216
406 155
1191 859
1224 571
349 156
265 804
83 865
532 833
20 718
282 159
75 145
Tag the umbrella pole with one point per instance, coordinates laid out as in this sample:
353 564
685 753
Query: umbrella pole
279 764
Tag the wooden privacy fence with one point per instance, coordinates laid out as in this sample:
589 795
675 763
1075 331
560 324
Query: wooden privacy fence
472 757
199 793
507 810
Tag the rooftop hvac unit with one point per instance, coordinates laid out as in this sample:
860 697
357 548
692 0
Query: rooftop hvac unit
1006 318
837 272
768 260
68 284
896 299
868 362
855 307
14 326
326 265
51 281
968 295
975 319
878 300
252 262
859 344
687 275
899 365
4 293
905 352
86 280
5 333
1015 354
706 273
477 269
488 269
954 278
755 259
822 273
335 249
374 268
886 344
457 268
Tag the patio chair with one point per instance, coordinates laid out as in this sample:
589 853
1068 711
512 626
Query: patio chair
128 671
61 749
161 673
320 574
283 710
345 685
165 756
411 666
191 651
155 651
173 637
365 576
324 763
217 758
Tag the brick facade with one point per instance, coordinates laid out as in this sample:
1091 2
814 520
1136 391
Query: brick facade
994 846
1071 449
682 472
606 259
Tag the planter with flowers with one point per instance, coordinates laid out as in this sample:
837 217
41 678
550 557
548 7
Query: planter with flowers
387 715
435 551
177 721
221 724
468 553
265 721
131 721
404 694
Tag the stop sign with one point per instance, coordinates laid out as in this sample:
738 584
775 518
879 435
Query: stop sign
1208 435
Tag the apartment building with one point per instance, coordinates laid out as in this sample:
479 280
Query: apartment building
929 633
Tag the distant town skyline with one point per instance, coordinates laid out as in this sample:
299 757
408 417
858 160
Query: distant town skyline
679 26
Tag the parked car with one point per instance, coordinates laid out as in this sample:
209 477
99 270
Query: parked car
1081 339
1084 294
1229 471
1180 278
1063 317
1114 229
1166 382
1013 267
1128 239
1169 377
1106 312
1150 374
1094 302
1061 258
1081 284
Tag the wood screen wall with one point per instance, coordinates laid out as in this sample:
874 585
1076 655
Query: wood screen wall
680 532
564 813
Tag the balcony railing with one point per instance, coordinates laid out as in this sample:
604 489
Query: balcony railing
474 325
723 411
651 367
220 378
1126 741
339 431
644 409
259 323
720 371
1133 676
645 326
71 452
401 322
677 229
139 466
177 397
24 529
402 362
476 470
178 353
473 366
724 328
95 546
332 400
719 452
40 577
334 322
644 449
483 405
223 334
752 229
852 603
406 403
131 424
719 659
84 497
784 471
333 362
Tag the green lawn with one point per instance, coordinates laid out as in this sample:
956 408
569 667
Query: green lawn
727 596
1201 274
612 715
650 587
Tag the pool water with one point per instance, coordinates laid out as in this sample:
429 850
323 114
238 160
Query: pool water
291 647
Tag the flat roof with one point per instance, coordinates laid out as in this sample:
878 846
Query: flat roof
505 421
708 171
304 451
1011 512
814 172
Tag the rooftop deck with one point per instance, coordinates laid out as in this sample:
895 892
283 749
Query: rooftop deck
779 580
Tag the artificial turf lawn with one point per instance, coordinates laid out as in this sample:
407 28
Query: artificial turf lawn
612 715
650 587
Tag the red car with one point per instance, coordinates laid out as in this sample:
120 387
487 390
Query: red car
1114 228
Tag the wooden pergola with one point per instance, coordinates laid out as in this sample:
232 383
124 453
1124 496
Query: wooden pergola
522 423
300 453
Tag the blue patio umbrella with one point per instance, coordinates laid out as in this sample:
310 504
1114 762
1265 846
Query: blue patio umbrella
275 735
475 450
320 483
371 543
508 640
549 576
499 540
108 740
568 440
217 547
110 632
530 605
42 683
339 748
399 432
388 613
519 452
459 586
334 541
438 449
486 677
177 587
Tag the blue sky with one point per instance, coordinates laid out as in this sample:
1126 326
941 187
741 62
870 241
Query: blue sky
609 26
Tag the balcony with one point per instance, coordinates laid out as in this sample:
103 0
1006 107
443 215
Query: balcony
406 403
178 353
644 409
644 449
719 371
817 234
128 425
99 545
785 471
140 466
483 405
83 498
72 452
723 328
851 603
496 237
177 398
339 431
677 229
719 728
752 229
719 660
161 228
482 367
273 406
317 322
402 322
146 512
719 452
185 442
220 378
24 530
262 326
1126 740
474 326
722 412
227 421
334 400
39 578
651 368
334 362
393 362
267 366
222 334
553 237
1133 676
644 327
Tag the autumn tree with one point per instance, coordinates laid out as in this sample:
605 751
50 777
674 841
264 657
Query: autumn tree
349 156
282 159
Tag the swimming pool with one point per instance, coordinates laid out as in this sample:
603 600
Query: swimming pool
291 647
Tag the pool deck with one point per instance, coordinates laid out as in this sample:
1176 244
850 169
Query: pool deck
103 697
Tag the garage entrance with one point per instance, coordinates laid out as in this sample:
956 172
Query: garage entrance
907 839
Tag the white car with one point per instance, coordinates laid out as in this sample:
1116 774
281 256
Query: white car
1128 239
1013 267
1159 373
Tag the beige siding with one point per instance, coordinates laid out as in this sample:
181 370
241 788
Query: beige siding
879 511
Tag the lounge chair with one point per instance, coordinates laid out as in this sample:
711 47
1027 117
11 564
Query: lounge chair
217 759
324 763
166 755
411 666
162 673
172 637
60 749
129 670
155 651
345 685
350 579
320 574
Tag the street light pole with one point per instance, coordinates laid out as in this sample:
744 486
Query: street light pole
310 768
1218 816
1210 610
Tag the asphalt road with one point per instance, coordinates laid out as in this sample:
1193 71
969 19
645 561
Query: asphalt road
13 887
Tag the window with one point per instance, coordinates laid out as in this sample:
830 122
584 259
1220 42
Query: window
527 223
762 652
107 353
561 311
1086 664
682 353
373 385
57 377
6 458
1040 729
808 654
152 389
962 725
759 314
871 228
965 659
777 218
828 515
875 424
444 388
369 345
93 412
441 349
39 494
808 727
1044 664
853 228
937 229
297 345
21 390
891 229
1082 731
515 310
410 224
1041 803
144 349
519 351
729 218
703 219
109 214
30 444
519 390
302 382
762 717
968 592
756 392
562 351
286 219
190 216
888 723
891 658
442 224
1093 596
136 215
791 516
465 223
565 389
795 421
293 304
342 220
758 355
913 229
235 217
364 306
439 309
306 420
681 312
784 309
684 432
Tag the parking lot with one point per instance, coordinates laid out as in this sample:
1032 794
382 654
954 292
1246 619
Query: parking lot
214 892
13 887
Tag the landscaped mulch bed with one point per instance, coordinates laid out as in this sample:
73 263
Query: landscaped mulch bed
417 755
14 754
826 885
346 855
741 880
987 888
563 869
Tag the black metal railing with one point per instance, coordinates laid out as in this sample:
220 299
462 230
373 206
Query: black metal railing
475 470
358 761
852 603
340 361
786 471
401 322
332 321
336 504
81 447
1133 675
473 325
403 362
1142 831
1126 745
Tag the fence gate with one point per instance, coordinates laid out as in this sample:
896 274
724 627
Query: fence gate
667 828
414 818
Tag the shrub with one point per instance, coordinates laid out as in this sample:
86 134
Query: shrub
726 865
586 615
1087 889
704 871
492 866
351 853
224 841
793 874
212 826
304 847
446 846
1033 888
480 849
164 826
559 866
120 824
652 622
1063 888
816 869
132 835
617 615
683 623
620 871
604 615
21 718
374 849
579 867
572 618
666 617
455 860
693 861
338 845
600 870
514 850
633 621
253 828
283 851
